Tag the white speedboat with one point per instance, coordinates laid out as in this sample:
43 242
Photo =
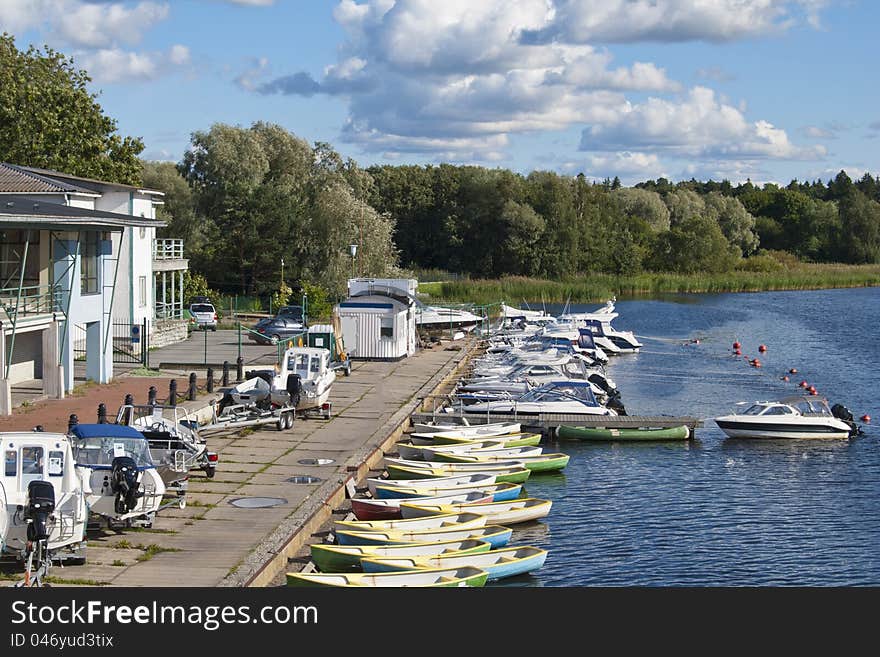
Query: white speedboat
792 417
120 481
44 503
440 318
625 341
303 380
570 397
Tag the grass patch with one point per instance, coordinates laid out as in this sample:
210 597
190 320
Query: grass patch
152 550
83 388
117 562
75 581
144 371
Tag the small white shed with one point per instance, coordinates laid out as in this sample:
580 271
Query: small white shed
378 325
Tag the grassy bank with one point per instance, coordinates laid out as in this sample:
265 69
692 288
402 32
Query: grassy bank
599 287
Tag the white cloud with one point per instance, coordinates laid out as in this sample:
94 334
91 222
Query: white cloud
628 165
698 125
110 65
250 3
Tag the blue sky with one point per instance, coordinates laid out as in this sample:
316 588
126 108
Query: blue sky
764 89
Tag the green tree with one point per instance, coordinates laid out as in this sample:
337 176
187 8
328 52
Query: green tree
693 245
48 118
735 221
859 228
644 204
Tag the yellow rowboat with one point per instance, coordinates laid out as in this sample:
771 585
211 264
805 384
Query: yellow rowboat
465 576
341 558
449 520
435 482
502 513
482 453
512 474
506 562
496 535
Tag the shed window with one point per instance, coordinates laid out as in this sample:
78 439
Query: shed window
386 329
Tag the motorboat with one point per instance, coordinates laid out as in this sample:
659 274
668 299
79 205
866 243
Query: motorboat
792 417
440 318
573 327
44 512
569 397
176 447
303 380
121 484
625 341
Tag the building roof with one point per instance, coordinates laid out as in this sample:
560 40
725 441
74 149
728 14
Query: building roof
89 184
18 211
20 180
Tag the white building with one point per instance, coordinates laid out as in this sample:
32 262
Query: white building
378 319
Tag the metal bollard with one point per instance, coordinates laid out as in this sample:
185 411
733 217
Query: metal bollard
72 421
210 384
151 396
172 393
191 391
129 400
225 373
239 366
102 413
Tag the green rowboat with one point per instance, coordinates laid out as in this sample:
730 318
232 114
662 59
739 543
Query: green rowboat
629 435
343 558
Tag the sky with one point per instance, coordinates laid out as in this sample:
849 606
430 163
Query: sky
766 90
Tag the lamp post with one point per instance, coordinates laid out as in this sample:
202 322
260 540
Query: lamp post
282 272
353 249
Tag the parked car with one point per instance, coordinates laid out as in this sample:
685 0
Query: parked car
204 316
295 312
273 330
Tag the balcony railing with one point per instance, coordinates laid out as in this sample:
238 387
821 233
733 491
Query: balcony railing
167 249
34 300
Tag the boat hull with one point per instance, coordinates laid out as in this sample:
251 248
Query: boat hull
466 576
502 563
499 492
739 429
634 435
512 475
500 513
496 535
342 558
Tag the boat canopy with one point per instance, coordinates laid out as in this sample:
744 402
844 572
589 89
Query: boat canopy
798 405
562 391
96 445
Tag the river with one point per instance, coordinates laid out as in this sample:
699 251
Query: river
715 511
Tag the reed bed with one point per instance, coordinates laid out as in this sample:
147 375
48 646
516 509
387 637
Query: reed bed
591 288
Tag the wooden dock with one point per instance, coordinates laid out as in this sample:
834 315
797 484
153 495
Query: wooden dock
547 421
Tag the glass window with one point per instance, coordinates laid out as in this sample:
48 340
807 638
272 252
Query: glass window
11 463
11 253
56 463
315 364
386 329
89 263
31 464
102 450
142 291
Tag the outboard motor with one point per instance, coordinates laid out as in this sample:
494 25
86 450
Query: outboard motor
124 482
39 506
294 388
842 413
615 403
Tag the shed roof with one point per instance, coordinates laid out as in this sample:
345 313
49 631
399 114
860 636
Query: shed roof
22 212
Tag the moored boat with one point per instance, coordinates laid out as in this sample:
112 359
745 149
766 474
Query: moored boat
509 440
499 492
513 474
467 430
496 535
450 520
506 513
791 418
480 454
505 562
464 576
340 558
539 463
634 435
389 509
478 479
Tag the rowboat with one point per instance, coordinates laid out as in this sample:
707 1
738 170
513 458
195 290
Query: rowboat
413 451
506 562
539 463
482 454
465 576
370 509
340 558
512 474
468 431
499 492
450 521
465 466
496 535
435 482
590 433
509 440
506 513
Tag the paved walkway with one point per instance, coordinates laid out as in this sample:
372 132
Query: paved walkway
210 540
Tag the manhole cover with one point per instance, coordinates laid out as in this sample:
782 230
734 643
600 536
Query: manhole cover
316 461
303 479
257 502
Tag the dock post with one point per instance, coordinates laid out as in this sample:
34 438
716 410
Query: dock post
210 384
225 373
102 413
72 421
239 367
151 396
172 393
191 390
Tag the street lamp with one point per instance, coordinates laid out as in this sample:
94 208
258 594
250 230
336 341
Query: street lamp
353 249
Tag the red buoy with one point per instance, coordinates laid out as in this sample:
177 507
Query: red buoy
738 352
736 345
762 348
756 363
785 378
803 384
813 391
866 418
793 370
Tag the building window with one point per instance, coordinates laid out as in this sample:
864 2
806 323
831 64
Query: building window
386 329
11 252
142 291
89 262
143 231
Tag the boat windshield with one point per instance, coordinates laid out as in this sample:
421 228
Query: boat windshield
755 409
101 450
813 407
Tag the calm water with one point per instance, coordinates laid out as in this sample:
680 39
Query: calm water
717 511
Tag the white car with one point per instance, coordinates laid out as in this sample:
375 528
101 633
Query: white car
204 315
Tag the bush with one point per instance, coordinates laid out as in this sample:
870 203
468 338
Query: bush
762 262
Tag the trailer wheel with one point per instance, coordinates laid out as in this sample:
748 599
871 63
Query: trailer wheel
210 472
181 502
281 424
289 424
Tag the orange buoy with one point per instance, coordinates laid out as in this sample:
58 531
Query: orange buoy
793 370
785 378
736 345
813 391
762 348
803 384
756 363
866 418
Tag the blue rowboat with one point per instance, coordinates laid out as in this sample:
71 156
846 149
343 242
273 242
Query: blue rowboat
499 492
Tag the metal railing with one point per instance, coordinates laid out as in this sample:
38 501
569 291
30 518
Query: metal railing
31 300
167 249
169 310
